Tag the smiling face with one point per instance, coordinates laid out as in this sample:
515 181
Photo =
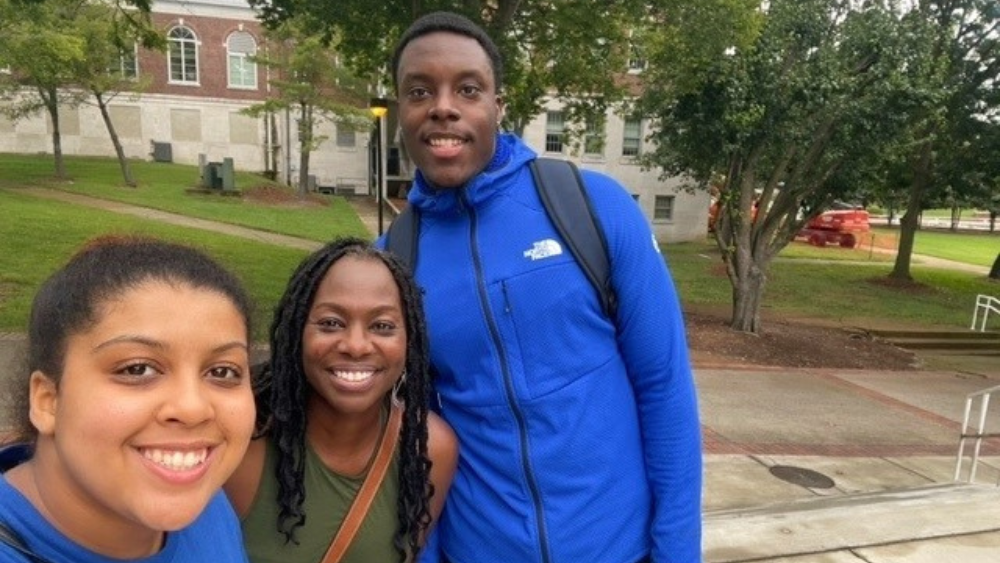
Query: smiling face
449 107
354 339
152 414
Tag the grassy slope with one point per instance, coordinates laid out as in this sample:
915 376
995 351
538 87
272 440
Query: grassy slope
37 236
164 186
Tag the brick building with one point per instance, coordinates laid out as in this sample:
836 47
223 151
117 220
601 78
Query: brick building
198 87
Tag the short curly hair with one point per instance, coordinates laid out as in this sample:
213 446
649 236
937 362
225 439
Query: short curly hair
453 23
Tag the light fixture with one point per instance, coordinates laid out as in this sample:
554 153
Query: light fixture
379 107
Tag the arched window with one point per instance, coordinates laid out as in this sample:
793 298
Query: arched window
242 68
183 55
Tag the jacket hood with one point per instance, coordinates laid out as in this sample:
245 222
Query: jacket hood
510 156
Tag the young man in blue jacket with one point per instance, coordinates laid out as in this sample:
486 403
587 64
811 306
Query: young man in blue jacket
579 433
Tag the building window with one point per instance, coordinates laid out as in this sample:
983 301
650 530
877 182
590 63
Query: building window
663 208
554 130
346 136
632 139
126 65
593 139
242 68
636 62
636 58
183 56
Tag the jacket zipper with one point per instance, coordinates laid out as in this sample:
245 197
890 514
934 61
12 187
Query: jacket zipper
508 384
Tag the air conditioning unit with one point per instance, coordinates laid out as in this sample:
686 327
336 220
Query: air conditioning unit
161 152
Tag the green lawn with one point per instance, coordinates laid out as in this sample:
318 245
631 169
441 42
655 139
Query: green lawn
836 290
37 236
979 248
801 250
163 186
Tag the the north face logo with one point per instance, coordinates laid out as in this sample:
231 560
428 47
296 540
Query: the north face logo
544 249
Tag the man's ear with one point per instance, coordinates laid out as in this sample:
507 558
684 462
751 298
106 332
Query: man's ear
43 402
501 110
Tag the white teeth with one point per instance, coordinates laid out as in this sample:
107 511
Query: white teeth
353 376
445 142
176 460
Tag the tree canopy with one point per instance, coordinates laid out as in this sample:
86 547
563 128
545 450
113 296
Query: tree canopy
574 50
60 52
307 78
779 126
955 63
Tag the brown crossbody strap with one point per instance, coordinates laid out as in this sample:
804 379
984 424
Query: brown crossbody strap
366 494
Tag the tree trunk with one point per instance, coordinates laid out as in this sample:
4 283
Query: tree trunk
119 150
993 221
911 219
748 278
50 96
305 146
275 146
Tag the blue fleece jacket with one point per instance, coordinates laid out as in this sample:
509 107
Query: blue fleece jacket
214 536
579 434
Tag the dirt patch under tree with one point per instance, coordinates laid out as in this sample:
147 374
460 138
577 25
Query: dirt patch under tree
789 344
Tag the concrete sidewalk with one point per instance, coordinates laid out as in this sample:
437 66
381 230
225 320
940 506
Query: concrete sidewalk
843 466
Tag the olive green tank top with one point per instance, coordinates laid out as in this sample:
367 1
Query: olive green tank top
328 496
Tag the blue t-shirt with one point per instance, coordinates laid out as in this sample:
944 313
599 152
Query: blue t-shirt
214 536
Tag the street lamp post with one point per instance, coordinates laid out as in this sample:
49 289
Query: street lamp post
379 107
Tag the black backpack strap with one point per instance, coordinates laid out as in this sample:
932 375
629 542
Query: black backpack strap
14 454
401 238
561 190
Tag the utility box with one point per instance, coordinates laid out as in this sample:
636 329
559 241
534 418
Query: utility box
161 152
212 176
218 175
227 175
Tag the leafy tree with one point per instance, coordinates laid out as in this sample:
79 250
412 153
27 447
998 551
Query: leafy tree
575 50
108 49
967 171
41 55
955 61
60 52
308 79
781 123
979 167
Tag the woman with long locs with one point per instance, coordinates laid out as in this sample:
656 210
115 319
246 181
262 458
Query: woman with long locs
348 355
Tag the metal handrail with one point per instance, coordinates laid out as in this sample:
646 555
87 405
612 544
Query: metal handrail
978 436
987 304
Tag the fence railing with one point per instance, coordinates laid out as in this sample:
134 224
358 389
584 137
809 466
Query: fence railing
977 435
985 304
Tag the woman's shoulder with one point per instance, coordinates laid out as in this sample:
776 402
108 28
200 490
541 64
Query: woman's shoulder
442 444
